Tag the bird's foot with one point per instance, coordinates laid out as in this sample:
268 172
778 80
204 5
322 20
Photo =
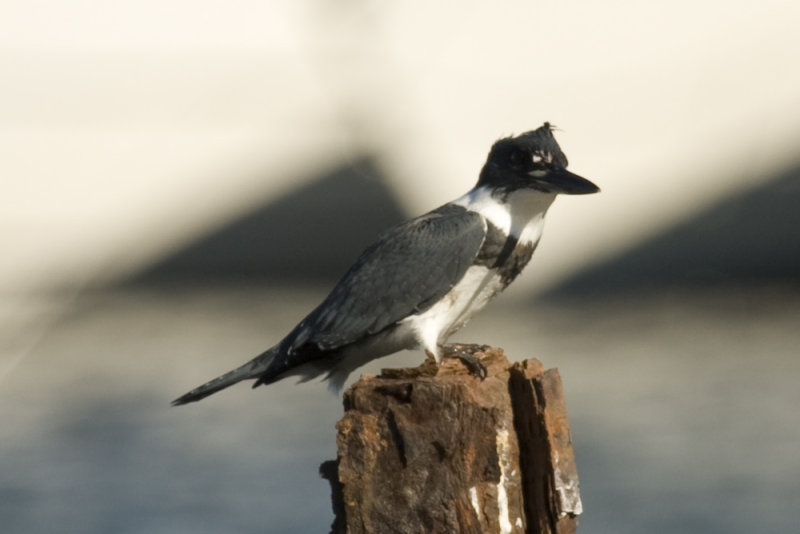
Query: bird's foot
466 353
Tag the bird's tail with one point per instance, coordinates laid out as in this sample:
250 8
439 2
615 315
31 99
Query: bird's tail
251 369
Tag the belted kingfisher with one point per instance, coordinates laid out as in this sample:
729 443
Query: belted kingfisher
424 279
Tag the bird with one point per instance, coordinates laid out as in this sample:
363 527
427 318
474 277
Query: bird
423 279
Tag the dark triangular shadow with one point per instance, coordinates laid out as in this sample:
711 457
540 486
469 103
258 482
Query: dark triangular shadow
310 235
750 238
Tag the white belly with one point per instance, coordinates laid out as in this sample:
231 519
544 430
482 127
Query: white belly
433 326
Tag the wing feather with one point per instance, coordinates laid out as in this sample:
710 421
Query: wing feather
406 271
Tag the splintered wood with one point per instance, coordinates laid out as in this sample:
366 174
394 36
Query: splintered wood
437 450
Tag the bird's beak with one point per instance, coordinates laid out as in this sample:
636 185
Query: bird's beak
564 182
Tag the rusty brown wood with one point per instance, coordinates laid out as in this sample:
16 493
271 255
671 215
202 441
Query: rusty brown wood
434 449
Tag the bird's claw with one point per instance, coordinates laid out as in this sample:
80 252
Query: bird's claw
468 358
473 364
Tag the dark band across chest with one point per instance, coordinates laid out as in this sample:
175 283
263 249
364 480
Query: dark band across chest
504 253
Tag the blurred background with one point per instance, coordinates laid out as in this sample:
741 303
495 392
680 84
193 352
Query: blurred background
183 181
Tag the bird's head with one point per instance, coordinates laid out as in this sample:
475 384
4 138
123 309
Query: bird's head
532 160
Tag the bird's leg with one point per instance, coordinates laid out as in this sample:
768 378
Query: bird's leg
466 353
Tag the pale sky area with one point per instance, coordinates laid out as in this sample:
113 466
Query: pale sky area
128 129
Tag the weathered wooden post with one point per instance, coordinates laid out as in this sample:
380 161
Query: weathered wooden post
436 450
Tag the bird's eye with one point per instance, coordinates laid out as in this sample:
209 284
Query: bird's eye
516 157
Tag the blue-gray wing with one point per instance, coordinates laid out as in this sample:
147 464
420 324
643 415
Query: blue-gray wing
406 271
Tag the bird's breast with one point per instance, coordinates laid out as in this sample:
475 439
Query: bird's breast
434 325
499 262
513 230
